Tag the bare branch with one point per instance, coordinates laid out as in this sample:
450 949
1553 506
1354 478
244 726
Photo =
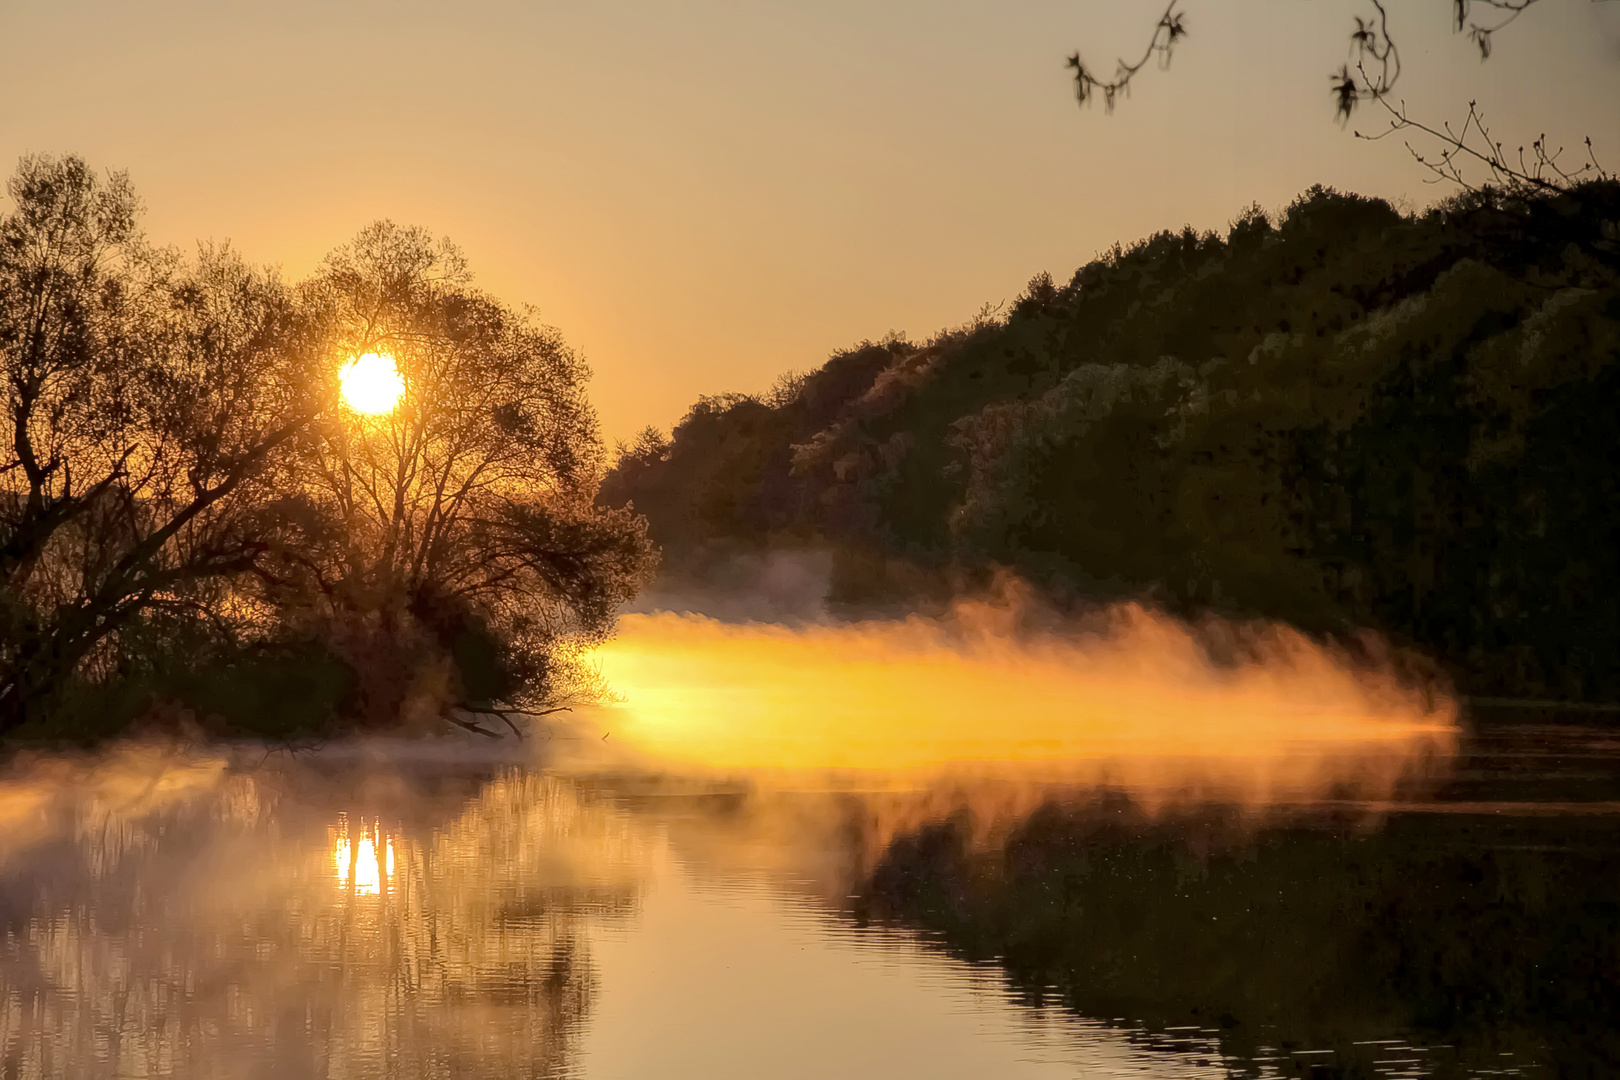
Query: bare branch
1471 142
1377 60
1170 29
1481 35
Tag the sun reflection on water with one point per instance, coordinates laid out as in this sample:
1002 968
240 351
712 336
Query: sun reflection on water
370 876
462 933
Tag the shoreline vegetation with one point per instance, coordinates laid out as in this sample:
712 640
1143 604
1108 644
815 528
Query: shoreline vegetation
1393 431
204 528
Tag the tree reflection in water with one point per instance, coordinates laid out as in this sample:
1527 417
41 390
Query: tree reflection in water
334 919
205 935
1477 934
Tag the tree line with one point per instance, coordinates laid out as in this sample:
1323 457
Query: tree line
191 516
1342 415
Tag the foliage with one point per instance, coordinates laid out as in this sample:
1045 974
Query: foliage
726 473
180 478
1345 418
459 524
145 397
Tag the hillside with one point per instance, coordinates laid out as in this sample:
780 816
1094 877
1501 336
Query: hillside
1345 418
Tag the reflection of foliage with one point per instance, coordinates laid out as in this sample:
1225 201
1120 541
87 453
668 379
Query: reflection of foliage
1342 418
1484 937
200 936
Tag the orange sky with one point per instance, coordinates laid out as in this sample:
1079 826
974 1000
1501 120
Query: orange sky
702 194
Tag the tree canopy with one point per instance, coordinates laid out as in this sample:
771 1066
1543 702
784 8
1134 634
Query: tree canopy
1346 417
182 479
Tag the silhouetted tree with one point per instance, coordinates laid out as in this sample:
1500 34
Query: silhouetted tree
179 477
459 526
145 397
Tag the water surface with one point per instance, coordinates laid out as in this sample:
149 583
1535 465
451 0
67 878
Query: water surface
424 911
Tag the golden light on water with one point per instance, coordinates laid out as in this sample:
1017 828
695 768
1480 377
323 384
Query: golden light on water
1137 703
368 870
371 383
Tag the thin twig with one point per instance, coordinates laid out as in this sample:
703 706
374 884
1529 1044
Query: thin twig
504 715
470 726
1481 35
1166 32
1371 41
1539 172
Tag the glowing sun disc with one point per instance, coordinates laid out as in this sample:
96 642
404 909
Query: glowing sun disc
371 383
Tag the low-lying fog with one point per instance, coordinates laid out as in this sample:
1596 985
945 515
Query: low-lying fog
454 906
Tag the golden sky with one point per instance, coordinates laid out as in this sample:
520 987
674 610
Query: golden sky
701 194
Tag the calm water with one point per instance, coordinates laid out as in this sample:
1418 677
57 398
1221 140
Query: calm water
421 912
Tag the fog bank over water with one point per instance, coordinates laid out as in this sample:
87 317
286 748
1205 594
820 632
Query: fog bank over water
1001 687
371 910
994 706
457 905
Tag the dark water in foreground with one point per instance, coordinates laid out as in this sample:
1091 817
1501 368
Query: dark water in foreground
411 913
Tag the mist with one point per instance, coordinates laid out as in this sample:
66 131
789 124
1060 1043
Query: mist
1003 688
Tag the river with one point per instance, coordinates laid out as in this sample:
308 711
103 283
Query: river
1436 901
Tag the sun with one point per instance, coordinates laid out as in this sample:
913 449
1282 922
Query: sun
371 383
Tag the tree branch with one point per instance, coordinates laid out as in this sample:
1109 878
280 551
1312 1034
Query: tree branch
1166 32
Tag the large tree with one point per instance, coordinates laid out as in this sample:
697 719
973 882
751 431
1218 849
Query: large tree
457 548
180 474
145 398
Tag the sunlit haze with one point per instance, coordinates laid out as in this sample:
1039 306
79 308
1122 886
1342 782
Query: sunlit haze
1132 700
702 195
904 539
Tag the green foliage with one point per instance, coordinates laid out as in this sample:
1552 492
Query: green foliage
1345 418
726 474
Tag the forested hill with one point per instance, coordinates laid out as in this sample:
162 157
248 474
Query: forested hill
1347 417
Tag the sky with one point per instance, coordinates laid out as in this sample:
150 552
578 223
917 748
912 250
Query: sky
705 193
